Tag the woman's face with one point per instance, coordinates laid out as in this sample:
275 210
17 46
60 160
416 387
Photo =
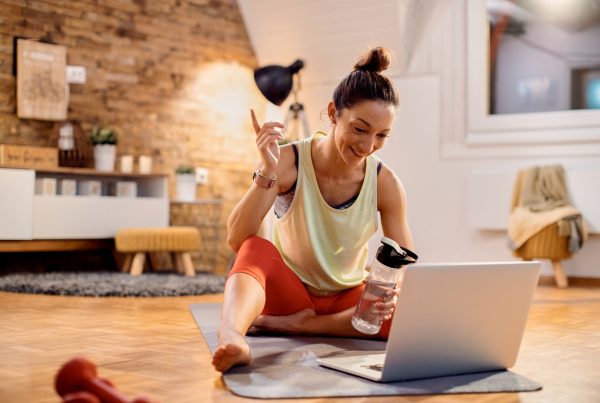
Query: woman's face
362 129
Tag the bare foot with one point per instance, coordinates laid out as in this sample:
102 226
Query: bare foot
232 350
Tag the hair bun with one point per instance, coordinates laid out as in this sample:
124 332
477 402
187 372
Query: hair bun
375 60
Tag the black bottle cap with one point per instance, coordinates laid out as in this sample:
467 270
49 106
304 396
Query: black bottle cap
393 255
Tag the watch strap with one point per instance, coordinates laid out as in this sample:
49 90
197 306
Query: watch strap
263 181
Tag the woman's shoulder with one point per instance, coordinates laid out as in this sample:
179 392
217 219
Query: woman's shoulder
389 186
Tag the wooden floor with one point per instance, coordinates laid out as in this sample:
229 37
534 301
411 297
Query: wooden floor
152 346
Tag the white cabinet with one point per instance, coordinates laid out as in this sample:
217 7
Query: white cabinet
25 215
16 203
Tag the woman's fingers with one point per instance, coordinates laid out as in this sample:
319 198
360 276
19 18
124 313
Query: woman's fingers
268 135
254 121
267 142
386 307
268 126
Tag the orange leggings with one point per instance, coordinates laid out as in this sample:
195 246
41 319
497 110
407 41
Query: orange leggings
285 294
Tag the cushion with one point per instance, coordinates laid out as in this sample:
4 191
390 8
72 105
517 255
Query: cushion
171 239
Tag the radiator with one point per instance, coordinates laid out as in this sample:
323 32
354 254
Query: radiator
490 194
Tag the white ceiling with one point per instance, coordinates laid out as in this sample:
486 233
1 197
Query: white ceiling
329 35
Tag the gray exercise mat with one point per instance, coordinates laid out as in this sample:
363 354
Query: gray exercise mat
286 367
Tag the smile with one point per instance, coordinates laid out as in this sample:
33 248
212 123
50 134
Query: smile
357 154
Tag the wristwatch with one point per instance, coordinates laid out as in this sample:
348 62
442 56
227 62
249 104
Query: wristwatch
263 181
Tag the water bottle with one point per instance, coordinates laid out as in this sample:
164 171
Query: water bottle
387 269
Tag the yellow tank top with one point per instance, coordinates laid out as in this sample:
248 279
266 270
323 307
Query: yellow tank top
326 247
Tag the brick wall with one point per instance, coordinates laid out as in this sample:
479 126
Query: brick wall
174 77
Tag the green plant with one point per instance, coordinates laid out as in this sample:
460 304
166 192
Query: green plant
184 170
103 136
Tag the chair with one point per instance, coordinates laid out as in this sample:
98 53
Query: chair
546 244
136 242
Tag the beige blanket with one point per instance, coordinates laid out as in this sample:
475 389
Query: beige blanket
543 188
524 223
540 199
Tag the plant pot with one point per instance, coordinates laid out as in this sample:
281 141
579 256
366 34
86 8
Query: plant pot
104 157
186 187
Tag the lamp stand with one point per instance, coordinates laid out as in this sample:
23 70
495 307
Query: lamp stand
295 117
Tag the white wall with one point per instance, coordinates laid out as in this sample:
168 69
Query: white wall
436 182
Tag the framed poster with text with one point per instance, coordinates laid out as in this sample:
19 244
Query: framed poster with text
42 91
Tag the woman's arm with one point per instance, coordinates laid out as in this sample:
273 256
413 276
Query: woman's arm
248 214
391 203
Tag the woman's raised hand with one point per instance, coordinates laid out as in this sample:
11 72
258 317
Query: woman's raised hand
266 141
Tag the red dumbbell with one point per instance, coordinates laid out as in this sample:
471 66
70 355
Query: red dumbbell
80 397
79 375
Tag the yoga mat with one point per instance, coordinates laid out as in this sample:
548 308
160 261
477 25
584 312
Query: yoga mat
286 367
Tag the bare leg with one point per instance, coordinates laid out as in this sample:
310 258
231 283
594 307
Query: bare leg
244 301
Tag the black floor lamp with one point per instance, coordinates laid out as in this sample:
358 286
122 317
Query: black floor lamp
276 83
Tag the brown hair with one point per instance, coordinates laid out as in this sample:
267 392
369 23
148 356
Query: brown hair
366 82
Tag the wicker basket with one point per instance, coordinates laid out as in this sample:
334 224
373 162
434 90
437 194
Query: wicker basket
546 244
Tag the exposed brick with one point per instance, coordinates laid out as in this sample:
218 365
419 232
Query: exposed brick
144 62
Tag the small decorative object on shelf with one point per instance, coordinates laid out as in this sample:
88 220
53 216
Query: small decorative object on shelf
74 150
68 187
185 176
145 164
90 187
21 156
126 189
126 165
45 186
105 148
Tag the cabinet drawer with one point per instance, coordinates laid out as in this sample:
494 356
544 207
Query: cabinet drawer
81 217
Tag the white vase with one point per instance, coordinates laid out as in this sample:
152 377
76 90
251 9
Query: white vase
186 187
104 157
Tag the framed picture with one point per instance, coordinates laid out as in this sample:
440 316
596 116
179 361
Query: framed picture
42 91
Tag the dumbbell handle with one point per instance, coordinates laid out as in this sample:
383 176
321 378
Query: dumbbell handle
106 393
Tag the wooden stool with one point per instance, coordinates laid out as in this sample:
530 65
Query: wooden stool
136 242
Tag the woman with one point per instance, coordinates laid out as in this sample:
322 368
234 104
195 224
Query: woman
326 192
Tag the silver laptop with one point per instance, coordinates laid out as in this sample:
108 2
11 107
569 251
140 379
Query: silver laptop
451 319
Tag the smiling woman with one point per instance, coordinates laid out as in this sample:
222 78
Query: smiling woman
326 191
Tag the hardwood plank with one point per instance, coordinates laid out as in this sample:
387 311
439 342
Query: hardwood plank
585 282
152 346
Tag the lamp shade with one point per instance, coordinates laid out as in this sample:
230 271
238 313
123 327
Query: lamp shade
275 82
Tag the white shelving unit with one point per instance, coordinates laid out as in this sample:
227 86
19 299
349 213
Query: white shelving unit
25 215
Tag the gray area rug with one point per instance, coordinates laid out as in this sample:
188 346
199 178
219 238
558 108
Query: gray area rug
286 367
111 284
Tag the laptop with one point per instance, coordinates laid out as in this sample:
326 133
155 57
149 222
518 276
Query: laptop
450 319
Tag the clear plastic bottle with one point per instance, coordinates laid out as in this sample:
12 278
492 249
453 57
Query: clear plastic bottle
387 269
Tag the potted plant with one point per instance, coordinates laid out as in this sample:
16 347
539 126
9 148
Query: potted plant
186 183
105 148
